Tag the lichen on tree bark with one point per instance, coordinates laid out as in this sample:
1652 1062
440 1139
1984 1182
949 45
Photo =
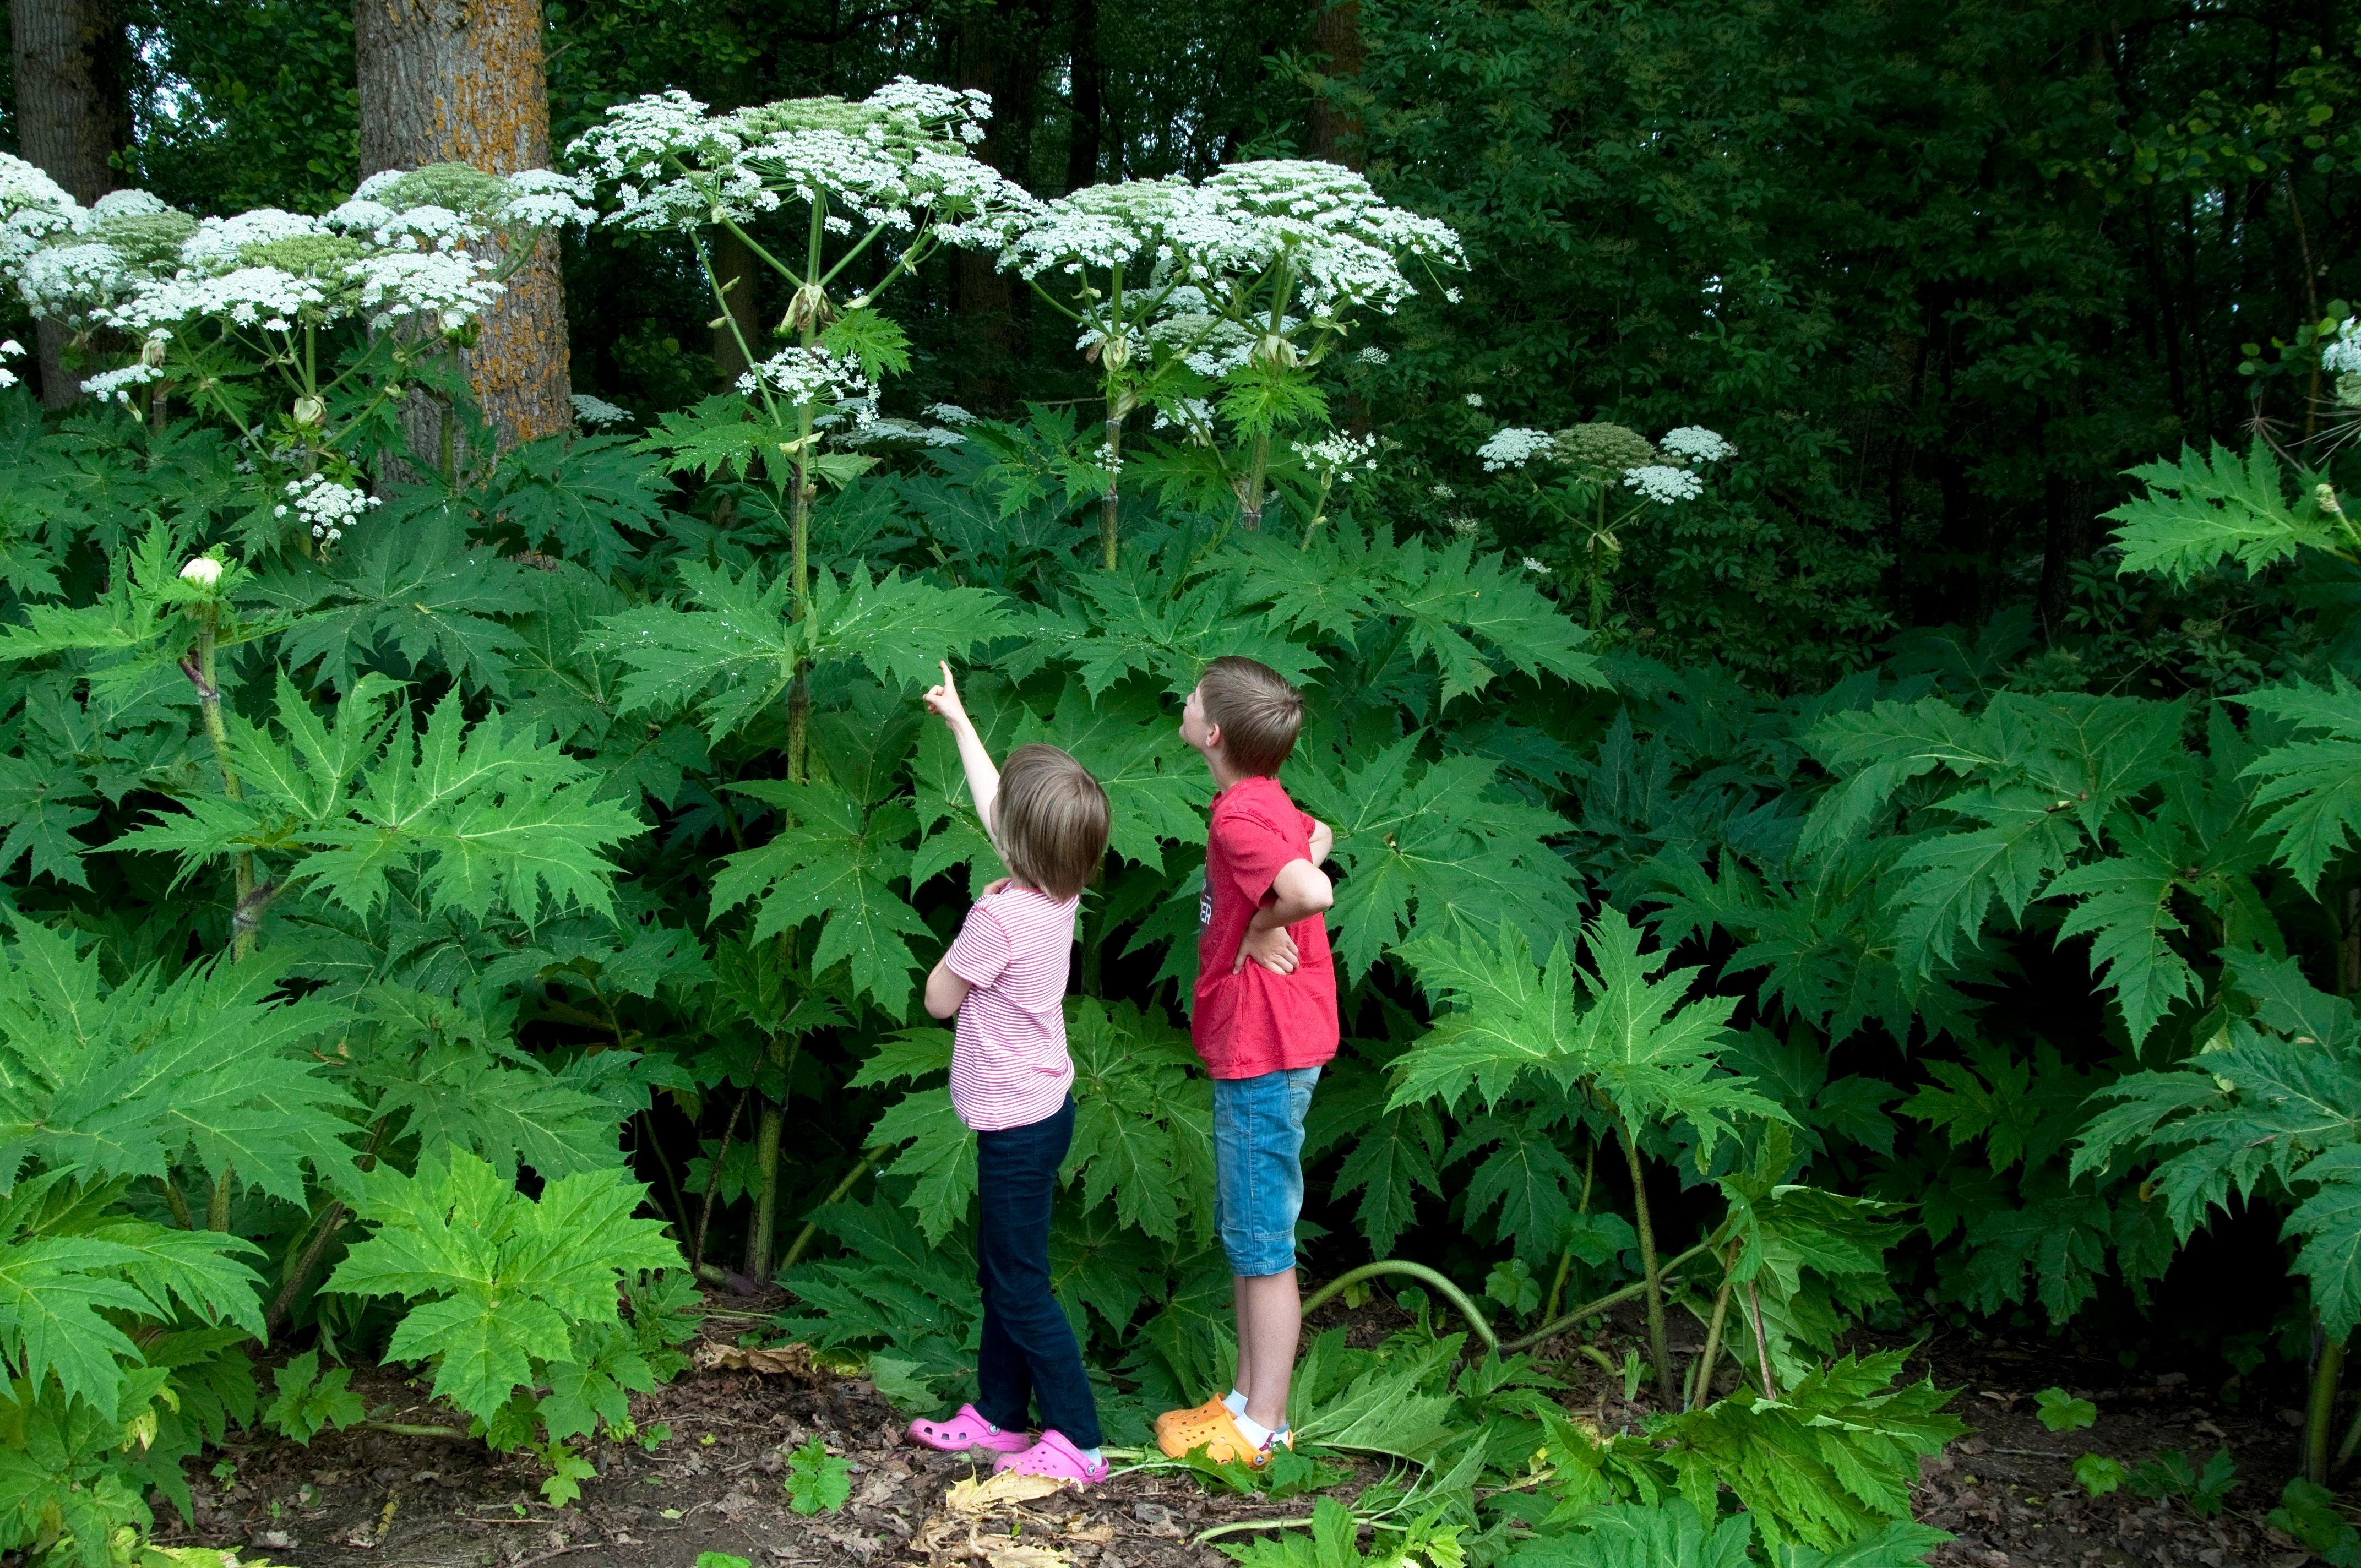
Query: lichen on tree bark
462 81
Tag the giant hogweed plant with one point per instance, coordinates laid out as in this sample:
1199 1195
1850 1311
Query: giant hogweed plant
1596 480
1214 305
306 336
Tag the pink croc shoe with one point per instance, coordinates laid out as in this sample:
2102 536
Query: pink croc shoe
967 1431
1056 1458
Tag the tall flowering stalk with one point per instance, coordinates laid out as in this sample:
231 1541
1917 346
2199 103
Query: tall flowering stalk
890 175
888 179
1111 258
1222 298
1596 478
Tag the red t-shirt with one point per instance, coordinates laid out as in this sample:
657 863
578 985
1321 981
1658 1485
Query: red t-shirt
1254 1022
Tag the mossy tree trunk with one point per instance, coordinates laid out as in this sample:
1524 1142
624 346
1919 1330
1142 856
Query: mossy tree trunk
462 81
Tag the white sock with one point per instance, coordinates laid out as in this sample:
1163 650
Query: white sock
1255 1432
1236 1402
1091 1457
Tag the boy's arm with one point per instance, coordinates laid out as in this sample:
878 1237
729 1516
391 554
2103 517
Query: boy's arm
983 778
1324 840
1300 891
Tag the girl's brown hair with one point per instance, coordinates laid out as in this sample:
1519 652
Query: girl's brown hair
1052 820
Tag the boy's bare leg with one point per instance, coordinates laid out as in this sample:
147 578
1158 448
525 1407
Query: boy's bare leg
1245 1384
1270 1316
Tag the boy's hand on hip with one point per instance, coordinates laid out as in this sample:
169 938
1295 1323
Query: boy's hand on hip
1273 948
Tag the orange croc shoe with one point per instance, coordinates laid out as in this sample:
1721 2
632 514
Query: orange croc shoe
1194 1412
1217 1433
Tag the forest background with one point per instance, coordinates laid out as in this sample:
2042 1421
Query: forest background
1976 732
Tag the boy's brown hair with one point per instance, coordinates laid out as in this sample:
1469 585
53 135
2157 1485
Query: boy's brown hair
1052 820
1258 713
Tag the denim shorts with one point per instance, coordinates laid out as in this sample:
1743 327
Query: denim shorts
1258 1166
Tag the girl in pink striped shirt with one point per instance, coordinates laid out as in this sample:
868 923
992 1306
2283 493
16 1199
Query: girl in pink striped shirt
1004 977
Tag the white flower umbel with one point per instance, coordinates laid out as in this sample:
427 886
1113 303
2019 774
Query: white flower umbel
596 412
1697 443
2344 356
1539 568
949 413
801 376
219 244
32 207
1373 354
68 282
115 386
899 160
1344 242
1664 485
9 350
1339 457
453 285
884 432
326 506
1513 448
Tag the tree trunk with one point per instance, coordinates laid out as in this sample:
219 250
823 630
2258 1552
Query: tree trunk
455 81
73 114
1334 132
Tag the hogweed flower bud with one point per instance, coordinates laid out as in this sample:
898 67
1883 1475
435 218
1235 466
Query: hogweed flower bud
202 570
310 409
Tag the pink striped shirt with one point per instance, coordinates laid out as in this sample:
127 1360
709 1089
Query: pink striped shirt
1010 1066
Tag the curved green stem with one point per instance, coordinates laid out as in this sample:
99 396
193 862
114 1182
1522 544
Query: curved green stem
1565 1321
1418 1271
836 1194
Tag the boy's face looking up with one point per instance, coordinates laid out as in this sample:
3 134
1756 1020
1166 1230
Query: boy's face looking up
1203 739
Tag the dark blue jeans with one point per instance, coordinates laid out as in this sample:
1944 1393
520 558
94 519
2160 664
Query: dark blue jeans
1029 1357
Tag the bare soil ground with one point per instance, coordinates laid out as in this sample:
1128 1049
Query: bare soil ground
372 1499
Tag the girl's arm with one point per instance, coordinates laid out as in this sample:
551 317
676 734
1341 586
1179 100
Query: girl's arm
945 991
983 778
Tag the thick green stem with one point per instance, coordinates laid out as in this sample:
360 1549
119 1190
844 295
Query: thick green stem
332 1220
1566 1258
1658 1345
175 1200
1250 496
836 1194
217 1206
768 1123
2321 1412
245 917
1417 1271
713 1181
1111 503
1701 1391
1762 1346
768 1126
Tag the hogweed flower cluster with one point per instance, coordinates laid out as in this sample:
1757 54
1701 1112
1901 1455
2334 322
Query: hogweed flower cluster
326 507
596 414
1338 457
1661 472
425 244
898 160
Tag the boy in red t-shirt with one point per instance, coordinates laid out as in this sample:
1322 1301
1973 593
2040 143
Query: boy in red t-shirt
1265 1023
